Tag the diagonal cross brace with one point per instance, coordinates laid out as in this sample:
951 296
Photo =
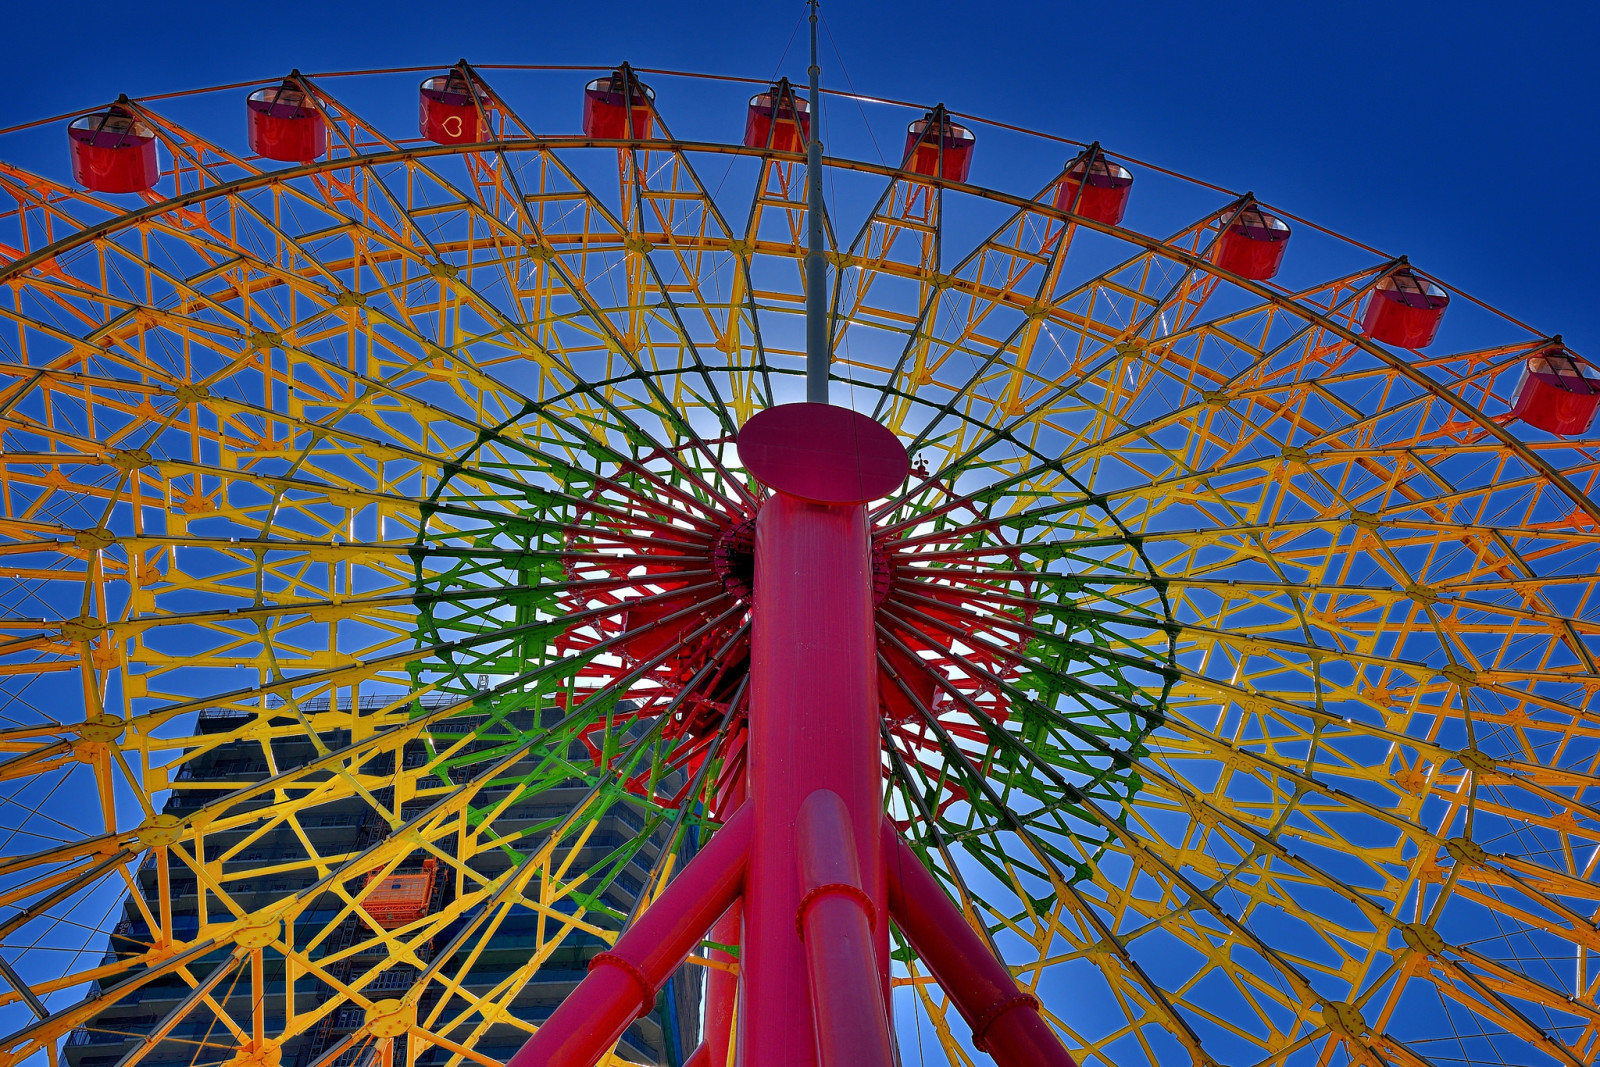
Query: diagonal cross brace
622 984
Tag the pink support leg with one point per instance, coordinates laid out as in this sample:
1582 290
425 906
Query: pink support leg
1005 1021
622 983
836 920
813 725
722 987
813 695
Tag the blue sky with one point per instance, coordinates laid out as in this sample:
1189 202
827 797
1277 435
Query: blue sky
1460 134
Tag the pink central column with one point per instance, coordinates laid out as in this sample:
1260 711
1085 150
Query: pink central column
814 698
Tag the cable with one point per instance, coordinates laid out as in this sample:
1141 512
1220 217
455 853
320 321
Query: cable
858 98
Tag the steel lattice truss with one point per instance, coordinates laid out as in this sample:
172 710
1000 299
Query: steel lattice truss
1260 729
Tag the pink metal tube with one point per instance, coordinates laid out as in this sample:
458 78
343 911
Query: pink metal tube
622 983
836 919
1005 1021
722 987
813 725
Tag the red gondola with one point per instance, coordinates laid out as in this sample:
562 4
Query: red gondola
779 115
1103 197
1557 394
450 111
938 147
1253 244
1404 310
401 898
606 110
282 124
113 152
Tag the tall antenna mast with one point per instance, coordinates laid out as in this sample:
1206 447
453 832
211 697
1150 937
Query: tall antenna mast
819 352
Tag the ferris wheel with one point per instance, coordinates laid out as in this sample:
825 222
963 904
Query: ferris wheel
1232 620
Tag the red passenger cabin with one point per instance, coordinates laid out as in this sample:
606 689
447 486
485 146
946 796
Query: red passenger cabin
113 152
609 102
284 125
1404 310
451 112
1102 196
939 147
778 119
1558 393
1253 244
400 898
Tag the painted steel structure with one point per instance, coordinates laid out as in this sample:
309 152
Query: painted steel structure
1234 670
257 874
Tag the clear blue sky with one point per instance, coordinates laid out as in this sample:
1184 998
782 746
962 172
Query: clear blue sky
1462 134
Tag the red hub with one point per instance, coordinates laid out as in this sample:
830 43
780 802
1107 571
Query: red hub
824 619
678 598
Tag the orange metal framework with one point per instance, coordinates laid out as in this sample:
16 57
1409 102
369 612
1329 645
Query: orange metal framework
1378 741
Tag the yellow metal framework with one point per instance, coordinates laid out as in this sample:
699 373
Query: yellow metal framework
1364 831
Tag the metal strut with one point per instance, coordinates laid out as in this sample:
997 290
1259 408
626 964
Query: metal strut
816 871
801 875
819 346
